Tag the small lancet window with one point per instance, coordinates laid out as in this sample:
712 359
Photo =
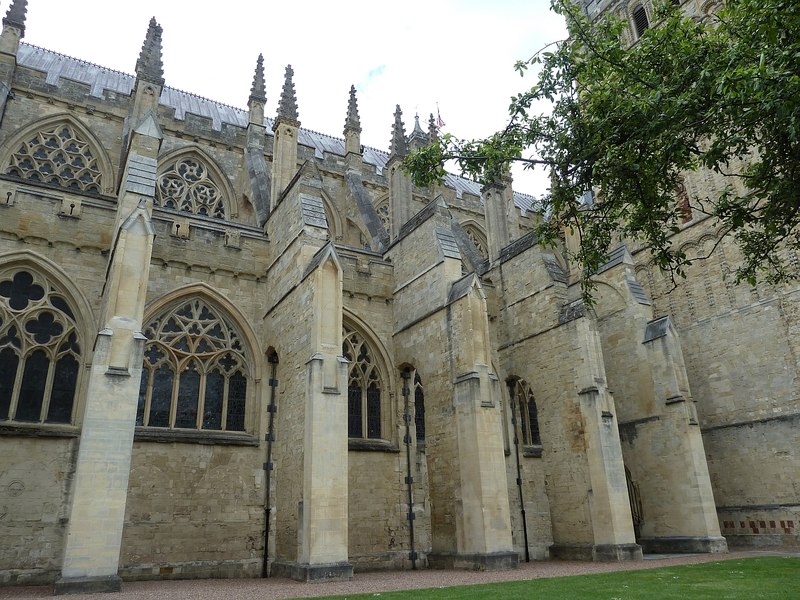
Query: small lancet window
527 413
187 185
195 372
363 388
40 350
419 409
640 20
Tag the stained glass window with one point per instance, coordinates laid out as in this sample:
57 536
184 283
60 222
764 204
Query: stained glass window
195 372
40 350
363 389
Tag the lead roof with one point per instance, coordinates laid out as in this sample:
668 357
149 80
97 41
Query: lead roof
102 80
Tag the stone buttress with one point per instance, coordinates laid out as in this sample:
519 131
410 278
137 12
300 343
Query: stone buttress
91 557
443 329
311 485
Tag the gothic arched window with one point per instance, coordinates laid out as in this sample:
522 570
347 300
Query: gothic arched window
527 415
187 185
40 350
195 371
57 156
363 387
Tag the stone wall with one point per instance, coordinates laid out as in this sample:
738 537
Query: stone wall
194 510
741 352
35 483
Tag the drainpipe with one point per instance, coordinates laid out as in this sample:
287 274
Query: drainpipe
270 437
519 473
409 479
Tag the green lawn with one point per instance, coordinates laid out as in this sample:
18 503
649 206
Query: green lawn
742 579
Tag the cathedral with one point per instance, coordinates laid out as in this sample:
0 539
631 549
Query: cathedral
234 347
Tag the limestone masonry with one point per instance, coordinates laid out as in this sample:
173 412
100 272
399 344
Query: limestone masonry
232 347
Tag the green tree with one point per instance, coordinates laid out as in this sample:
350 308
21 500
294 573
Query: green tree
719 93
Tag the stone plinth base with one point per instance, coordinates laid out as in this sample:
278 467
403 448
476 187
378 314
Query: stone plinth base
597 552
87 585
494 561
683 545
313 573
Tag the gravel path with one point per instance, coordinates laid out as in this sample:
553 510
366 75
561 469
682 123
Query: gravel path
384 581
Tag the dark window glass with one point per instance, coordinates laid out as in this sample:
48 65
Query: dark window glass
142 396
188 397
533 422
212 405
161 398
9 361
523 421
237 392
31 393
419 413
640 20
63 392
373 411
354 427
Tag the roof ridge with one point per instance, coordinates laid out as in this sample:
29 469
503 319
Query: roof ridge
80 60
206 98
132 76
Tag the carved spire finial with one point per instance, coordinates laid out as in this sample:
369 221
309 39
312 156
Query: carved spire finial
433 130
259 90
149 66
398 146
352 122
15 17
287 107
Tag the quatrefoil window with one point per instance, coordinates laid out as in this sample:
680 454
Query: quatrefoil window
59 157
44 327
21 290
187 185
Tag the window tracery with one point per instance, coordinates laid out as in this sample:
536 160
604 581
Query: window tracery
195 371
58 157
40 350
478 240
187 185
528 414
383 215
363 387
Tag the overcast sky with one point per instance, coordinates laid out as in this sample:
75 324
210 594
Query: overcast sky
459 53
